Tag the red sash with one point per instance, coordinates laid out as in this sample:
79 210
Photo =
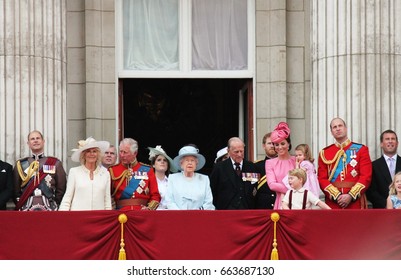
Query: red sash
32 185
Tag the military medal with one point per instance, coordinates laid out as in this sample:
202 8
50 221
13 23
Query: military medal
354 173
250 177
353 153
141 175
48 179
49 169
353 163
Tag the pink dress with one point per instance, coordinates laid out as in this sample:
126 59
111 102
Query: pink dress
312 183
276 170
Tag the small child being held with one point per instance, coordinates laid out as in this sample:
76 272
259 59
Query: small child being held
299 197
394 198
304 160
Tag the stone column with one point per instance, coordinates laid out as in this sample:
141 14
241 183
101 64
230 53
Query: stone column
356 49
32 76
271 68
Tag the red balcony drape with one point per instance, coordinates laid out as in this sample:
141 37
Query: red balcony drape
201 235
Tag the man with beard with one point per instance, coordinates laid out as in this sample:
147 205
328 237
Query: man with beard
265 197
384 169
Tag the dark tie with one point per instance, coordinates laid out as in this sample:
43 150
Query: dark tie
237 168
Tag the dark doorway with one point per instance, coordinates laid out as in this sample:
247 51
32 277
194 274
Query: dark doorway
175 112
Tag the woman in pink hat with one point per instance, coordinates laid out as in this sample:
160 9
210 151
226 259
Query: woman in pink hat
277 168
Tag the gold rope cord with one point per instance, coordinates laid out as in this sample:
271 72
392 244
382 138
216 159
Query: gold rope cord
124 175
122 218
336 159
275 217
32 170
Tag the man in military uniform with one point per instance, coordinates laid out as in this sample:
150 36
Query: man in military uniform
39 180
134 184
344 170
265 197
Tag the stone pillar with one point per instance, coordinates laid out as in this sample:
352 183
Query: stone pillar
356 48
32 76
271 68
91 87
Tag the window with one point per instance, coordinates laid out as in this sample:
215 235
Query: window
179 38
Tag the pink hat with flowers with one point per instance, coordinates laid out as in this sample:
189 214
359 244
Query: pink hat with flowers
281 132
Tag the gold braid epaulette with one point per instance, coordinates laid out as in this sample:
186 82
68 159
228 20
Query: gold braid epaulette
124 175
32 169
261 182
335 159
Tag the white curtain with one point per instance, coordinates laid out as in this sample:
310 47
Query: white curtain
219 35
150 30
151 34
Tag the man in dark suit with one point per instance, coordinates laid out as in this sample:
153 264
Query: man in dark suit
234 180
265 197
382 176
6 184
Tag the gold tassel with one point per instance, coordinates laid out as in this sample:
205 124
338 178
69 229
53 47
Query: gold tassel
274 254
122 218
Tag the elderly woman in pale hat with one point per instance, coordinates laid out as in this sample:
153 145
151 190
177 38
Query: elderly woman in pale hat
189 190
88 185
163 165
277 168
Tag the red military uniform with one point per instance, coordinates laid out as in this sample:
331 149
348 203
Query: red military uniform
345 169
135 187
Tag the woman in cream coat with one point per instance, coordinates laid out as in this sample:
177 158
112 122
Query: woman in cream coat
88 185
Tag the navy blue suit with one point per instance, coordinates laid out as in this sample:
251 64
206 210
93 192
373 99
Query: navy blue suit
378 191
229 190
6 184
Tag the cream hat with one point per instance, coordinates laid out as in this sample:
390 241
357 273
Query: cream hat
158 150
190 151
89 143
221 153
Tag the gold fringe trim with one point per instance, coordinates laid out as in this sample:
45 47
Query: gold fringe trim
152 205
122 218
356 190
333 191
275 217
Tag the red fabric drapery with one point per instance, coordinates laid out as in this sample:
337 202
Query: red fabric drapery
201 235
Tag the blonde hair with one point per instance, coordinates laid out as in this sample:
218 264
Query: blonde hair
83 153
392 185
299 173
304 148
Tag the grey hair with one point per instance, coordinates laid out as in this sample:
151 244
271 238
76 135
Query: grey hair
131 142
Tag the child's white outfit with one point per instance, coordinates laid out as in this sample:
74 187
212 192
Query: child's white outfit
300 199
